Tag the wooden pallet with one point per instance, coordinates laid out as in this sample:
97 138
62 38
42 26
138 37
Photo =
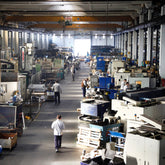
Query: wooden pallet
89 137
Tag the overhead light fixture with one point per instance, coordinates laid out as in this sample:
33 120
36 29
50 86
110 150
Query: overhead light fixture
111 36
103 36
61 36
54 36
69 35
95 36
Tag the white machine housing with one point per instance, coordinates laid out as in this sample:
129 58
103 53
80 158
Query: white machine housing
114 66
133 124
141 150
22 86
10 87
146 82
128 111
119 77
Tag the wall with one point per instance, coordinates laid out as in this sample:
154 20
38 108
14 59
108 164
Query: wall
64 41
69 42
107 41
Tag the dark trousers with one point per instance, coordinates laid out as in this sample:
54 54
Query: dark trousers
73 76
84 91
57 141
57 97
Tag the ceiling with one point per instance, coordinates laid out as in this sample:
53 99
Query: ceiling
53 15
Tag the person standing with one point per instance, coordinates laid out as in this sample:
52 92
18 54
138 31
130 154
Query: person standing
58 126
57 90
126 86
123 83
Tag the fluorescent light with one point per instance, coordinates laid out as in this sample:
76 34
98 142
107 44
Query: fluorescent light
103 36
111 36
95 36
69 35
54 36
61 35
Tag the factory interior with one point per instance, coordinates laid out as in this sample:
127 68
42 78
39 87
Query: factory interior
108 59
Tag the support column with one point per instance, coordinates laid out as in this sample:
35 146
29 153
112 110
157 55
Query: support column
3 44
122 44
134 55
47 41
141 42
125 44
118 41
6 53
149 39
129 45
43 41
38 41
13 43
141 47
162 47
25 40
115 39
33 43
0 51
16 43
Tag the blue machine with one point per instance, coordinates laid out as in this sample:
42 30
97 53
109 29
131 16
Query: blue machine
107 84
0 148
124 58
100 64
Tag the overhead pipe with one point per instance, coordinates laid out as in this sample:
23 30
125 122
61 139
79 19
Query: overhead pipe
154 22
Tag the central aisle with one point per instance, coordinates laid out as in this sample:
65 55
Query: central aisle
36 146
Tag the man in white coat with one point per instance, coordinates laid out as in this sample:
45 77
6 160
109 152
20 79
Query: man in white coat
58 127
57 90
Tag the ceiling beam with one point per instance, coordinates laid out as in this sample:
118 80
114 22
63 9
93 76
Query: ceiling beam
69 13
73 19
76 26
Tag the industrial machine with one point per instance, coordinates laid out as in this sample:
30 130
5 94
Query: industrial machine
9 80
145 146
94 79
8 140
100 64
103 85
12 119
106 86
120 76
22 86
145 82
114 66
135 106
94 108
37 91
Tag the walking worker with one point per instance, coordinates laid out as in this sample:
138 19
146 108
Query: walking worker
72 70
83 86
58 127
57 90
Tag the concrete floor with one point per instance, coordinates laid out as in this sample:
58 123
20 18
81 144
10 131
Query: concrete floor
36 146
